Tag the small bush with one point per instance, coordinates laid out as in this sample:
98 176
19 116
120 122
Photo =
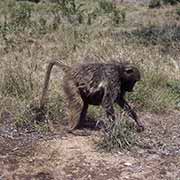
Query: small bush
35 1
156 34
119 16
171 2
178 11
152 93
22 14
55 106
106 6
155 4
16 82
174 86
118 135
31 118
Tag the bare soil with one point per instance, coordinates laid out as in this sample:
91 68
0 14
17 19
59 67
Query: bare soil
63 156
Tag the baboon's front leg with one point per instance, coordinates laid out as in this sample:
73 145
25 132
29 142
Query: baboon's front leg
107 104
122 102
83 113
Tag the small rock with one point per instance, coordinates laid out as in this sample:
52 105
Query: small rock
128 164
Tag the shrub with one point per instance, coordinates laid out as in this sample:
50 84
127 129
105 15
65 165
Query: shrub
178 11
35 1
118 135
152 93
16 82
172 2
157 34
106 6
174 86
155 4
22 14
118 16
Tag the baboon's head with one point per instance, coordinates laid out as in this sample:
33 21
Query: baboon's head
129 77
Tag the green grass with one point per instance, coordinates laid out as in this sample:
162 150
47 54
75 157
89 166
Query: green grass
153 93
178 11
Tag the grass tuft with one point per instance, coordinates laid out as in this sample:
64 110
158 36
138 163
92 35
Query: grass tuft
118 135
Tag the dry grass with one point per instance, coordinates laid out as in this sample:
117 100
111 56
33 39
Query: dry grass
32 34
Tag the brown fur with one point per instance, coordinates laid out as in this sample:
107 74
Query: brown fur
95 84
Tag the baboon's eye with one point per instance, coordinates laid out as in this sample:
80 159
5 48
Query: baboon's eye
129 71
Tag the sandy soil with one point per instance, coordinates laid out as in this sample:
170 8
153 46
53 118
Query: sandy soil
62 156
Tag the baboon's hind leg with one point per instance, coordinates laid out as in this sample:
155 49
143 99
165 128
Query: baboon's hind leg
83 114
74 104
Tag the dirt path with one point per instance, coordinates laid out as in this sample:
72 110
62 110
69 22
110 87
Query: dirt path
68 157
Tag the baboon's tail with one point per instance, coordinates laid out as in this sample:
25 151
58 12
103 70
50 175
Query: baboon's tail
64 67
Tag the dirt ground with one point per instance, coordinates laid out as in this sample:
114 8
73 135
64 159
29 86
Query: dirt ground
62 156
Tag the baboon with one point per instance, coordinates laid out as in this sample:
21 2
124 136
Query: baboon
95 84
